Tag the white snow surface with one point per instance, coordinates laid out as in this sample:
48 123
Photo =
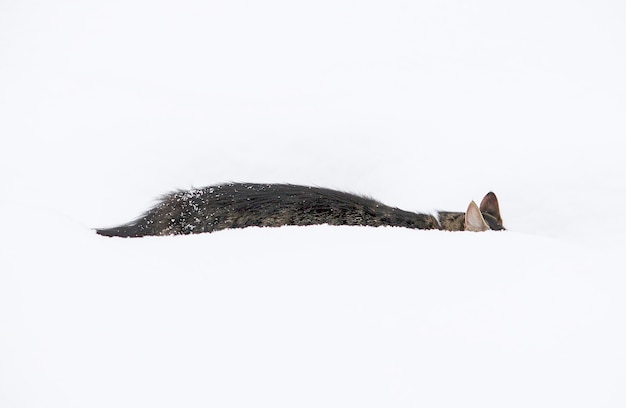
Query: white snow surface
105 105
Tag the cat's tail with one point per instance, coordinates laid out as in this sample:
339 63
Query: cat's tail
124 231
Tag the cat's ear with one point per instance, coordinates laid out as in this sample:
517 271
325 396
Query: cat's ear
490 206
474 220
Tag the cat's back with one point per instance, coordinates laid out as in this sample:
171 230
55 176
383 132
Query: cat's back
241 205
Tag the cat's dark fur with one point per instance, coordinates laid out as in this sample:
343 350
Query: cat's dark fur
240 205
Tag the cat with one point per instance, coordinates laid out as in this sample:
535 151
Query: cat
241 205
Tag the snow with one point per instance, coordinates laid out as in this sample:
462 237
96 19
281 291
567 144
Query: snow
104 106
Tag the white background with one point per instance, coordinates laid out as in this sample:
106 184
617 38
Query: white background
105 105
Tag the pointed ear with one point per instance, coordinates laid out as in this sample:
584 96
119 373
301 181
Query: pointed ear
490 206
474 220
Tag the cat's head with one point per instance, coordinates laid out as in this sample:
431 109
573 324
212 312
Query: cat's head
486 217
